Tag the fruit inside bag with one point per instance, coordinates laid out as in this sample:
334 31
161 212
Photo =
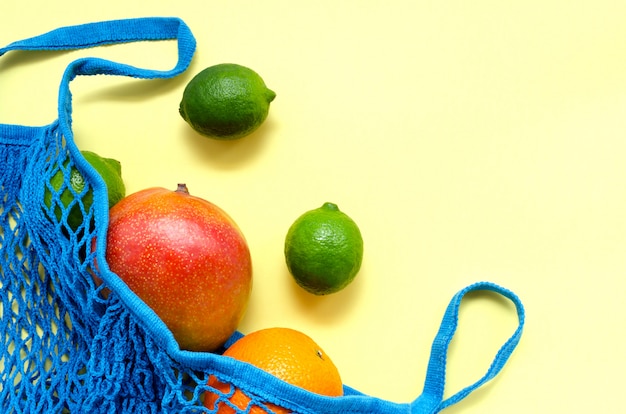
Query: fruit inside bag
67 346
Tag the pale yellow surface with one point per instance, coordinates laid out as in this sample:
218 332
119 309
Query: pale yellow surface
470 140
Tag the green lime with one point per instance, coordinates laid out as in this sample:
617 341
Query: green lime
324 250
111 172
226 101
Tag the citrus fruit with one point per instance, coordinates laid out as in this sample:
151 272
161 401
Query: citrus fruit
111 172
324 250
226 101
285 353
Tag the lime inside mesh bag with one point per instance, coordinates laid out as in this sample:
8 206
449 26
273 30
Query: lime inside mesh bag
63 346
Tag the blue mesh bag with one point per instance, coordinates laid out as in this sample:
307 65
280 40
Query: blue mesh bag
67 348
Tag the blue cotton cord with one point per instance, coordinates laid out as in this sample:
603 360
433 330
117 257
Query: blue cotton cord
431 400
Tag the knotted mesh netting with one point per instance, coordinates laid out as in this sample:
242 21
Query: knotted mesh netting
67 343
54 323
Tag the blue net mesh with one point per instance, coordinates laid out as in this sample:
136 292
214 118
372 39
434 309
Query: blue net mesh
64 347
69 342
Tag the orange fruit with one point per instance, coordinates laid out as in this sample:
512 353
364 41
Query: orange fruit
288 354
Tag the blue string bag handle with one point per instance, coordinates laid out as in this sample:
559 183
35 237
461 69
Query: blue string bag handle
431 400
108 33
111 32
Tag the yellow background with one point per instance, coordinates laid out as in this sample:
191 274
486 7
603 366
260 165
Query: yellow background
470 140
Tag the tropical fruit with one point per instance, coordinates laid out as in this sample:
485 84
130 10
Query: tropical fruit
186 259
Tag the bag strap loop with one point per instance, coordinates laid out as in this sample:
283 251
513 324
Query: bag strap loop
431 400
108 33
103 33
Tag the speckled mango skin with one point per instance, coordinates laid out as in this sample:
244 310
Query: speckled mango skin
186 259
